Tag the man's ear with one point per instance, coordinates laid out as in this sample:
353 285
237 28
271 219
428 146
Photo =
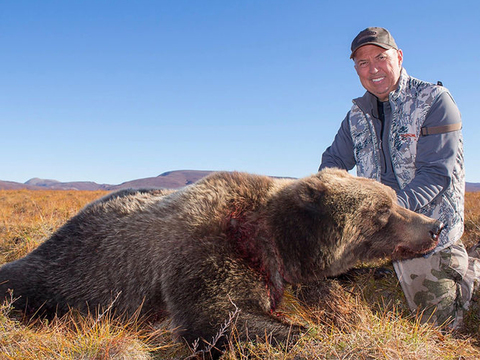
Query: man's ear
400 57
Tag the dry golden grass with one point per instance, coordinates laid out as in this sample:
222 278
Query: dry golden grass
29 217
472 219
364 319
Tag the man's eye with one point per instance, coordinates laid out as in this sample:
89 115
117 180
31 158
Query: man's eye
362 64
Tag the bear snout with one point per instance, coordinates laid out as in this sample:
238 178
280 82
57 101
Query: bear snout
413 246
436 230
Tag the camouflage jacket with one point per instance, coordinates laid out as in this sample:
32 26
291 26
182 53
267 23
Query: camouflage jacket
410 104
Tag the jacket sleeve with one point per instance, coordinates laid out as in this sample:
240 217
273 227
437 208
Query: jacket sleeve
340 153
436 156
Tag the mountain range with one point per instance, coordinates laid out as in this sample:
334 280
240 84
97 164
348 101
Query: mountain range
170 180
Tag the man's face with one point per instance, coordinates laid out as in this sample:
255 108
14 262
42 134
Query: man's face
378 69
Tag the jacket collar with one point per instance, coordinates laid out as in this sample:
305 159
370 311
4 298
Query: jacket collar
402 85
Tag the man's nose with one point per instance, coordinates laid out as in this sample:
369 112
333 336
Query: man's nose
373 69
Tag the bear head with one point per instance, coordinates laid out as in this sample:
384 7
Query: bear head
326 223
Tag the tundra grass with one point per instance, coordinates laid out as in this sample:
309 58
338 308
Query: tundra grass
363 318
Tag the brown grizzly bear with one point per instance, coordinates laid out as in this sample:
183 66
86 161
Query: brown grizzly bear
229 240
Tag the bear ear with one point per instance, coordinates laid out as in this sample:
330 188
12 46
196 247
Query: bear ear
309 195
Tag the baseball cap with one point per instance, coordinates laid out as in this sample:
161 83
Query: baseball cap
373 36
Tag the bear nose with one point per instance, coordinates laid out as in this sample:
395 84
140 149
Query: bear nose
436 230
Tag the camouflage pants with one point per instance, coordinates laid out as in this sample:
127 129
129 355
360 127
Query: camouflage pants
439 287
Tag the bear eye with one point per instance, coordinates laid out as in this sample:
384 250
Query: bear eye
383 216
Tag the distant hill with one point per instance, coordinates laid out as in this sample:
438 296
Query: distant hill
472 187
169 180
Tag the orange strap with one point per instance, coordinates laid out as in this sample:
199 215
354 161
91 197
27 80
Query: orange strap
441 129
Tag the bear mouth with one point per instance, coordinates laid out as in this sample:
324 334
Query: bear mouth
403 252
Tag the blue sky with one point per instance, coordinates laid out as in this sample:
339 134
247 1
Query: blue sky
110 91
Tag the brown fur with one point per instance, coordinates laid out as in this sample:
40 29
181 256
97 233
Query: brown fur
231 239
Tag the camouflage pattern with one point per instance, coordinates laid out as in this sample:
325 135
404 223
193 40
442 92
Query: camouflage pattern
471 281
410 104
434 286
365 144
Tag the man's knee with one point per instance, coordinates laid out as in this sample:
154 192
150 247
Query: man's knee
432 285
